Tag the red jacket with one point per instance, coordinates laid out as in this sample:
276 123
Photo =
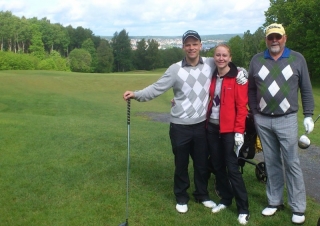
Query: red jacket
233 102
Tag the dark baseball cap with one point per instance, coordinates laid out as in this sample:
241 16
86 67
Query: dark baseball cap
190 33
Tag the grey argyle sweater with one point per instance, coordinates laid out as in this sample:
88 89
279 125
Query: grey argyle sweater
190 87
274 85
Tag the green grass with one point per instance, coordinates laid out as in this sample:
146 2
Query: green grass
63 153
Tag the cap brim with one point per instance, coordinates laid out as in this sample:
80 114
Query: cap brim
191 36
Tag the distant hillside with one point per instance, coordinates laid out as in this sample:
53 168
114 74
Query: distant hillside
225 37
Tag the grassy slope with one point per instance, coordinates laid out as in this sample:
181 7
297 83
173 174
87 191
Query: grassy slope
63 149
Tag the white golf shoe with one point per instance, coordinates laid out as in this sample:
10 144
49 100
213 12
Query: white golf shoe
271 210
209 204
243 218
182 208
218 208
298 218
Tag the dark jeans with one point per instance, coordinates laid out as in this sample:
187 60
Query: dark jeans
190 140
225 164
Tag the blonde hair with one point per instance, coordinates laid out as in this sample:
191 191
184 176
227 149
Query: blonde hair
222 45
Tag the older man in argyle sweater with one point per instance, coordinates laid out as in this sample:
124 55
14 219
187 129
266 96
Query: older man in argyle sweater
275 77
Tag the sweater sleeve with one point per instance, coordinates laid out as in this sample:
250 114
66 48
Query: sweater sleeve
305 89
164 83
252 89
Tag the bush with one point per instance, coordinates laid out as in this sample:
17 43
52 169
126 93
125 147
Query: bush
47 64
80 60
54 62
15 61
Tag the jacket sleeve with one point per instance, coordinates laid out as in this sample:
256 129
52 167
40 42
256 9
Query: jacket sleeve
241 101
164 83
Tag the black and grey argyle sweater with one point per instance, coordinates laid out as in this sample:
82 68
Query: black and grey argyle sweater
274 85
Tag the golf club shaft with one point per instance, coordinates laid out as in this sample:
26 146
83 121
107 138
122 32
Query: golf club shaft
128 159
317 119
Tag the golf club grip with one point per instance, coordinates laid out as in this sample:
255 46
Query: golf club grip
128 111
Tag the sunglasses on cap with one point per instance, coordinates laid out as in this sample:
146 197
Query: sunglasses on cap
274 36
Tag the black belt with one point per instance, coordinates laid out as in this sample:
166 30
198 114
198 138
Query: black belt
275 116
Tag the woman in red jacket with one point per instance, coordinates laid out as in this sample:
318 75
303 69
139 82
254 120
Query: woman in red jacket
226 125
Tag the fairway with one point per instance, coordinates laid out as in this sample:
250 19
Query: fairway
63 155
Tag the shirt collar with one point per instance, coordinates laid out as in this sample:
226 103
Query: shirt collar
185 63
285 54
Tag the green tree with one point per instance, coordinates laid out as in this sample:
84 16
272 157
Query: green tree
237 50
24 35
36 48
122 51
259 40
170 56
62 39
48 34
252 44
81 34
80 60
104 57
77 37
152 54
89 46
139 55
8 23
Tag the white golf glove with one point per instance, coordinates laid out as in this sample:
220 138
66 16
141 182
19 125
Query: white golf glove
238 139
308 124
242 76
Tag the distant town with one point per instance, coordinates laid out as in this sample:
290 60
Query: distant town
165 42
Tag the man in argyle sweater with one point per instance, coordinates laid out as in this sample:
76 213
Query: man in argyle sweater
275 77
190 80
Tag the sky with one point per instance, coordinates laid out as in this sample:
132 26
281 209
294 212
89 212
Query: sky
146 17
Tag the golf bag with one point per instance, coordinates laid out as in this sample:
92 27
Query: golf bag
248 149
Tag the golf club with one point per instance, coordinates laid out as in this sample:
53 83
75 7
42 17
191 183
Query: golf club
128 164
304 142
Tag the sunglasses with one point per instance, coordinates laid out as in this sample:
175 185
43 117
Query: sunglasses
276 36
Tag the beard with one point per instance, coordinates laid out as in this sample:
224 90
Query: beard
276 49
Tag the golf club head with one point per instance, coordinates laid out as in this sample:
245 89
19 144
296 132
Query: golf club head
303 145
304 142
124 224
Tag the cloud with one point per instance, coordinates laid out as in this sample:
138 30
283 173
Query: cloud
146 17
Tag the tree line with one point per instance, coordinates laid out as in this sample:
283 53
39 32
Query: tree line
38 44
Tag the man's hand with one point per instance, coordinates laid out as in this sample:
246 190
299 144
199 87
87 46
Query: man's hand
242 76
308 124
238 139
128 95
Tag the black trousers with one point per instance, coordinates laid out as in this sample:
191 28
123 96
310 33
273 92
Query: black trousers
190 140
224 161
